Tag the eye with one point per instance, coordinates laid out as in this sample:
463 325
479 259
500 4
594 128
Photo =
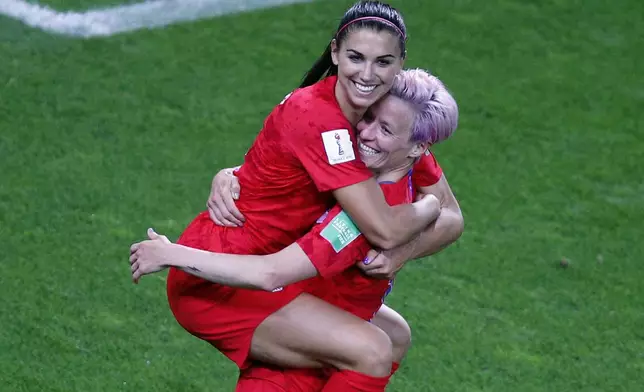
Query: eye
384 63
386 131
355 58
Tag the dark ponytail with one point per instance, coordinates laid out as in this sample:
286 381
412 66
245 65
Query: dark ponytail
322 68
363 14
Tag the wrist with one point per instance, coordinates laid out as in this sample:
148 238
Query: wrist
402 253
172 256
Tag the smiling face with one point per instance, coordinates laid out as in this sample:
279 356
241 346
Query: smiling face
384 135
367 61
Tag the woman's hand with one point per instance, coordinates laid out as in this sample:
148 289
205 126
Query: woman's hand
221 202
147 257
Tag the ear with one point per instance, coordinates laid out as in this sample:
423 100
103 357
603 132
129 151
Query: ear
334 51
418 150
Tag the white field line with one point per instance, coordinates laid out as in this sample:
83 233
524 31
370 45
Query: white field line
118 19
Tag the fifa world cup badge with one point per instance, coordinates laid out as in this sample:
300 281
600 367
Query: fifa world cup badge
338 146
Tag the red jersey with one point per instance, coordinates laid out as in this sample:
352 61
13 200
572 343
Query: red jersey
305 150
335 245
426 171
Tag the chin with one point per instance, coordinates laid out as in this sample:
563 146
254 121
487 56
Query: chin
366 161
364 102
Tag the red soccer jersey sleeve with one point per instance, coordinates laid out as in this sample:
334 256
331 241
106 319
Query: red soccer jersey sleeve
331 159
323 140
335 243
427 172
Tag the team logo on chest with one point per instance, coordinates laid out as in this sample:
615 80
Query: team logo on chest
338 146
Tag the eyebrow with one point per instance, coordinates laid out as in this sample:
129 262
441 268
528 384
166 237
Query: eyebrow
385 123
379 57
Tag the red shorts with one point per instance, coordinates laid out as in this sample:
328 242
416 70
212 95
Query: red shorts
225 317
267 378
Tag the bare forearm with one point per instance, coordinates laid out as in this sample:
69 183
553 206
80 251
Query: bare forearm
437 236
408 222
267 272
384 226
404 223
230 270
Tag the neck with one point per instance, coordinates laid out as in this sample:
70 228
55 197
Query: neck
352 113
393 174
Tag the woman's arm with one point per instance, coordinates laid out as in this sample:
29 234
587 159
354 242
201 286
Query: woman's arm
383 225
329 248
447 228
267 272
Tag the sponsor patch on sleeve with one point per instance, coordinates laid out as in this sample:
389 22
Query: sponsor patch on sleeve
338 146
340 232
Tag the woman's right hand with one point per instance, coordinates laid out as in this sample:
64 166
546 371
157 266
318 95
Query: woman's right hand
149 256
221 202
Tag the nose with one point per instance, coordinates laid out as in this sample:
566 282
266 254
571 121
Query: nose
367 130
367 72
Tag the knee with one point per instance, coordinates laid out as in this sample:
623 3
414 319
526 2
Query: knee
400 335
372 353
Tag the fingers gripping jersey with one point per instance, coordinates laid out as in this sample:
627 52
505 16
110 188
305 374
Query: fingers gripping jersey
335 245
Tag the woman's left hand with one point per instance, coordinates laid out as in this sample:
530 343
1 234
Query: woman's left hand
383 264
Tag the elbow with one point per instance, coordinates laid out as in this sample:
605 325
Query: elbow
388 236
457 226
388 243
269 279
384 239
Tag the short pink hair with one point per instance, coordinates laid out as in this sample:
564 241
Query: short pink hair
436 110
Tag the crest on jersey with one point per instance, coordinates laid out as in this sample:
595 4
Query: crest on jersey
338 146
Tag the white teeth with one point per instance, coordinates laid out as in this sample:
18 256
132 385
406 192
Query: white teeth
366 149
364 89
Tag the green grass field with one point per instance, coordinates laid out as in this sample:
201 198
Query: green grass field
102 138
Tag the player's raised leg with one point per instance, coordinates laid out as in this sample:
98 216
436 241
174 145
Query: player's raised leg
311 330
